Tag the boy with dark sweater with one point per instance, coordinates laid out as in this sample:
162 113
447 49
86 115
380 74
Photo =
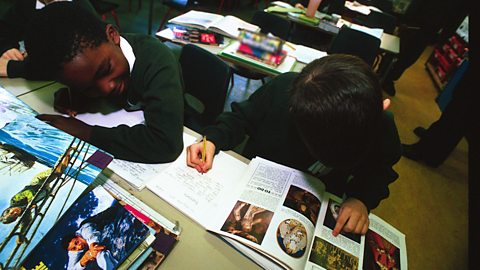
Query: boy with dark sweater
136 71
328 120
13 22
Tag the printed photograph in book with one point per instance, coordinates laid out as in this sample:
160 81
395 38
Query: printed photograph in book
380 253
42 172
331 220
248 221
97 232
292 237
331 257
303 202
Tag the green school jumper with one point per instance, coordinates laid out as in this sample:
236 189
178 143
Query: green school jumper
272 135
156 88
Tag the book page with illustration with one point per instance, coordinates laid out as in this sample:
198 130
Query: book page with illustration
282 213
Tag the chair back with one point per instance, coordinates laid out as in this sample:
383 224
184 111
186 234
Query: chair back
380 20
176 4
354 42
271 23
206 78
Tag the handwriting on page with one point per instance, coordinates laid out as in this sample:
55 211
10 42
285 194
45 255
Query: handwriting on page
182 185
199 186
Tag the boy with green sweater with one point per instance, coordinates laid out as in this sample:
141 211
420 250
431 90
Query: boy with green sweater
329 120
95 61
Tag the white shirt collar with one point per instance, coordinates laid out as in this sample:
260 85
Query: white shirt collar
127 52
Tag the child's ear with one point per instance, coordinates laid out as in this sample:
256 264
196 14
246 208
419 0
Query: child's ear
386 103
112 34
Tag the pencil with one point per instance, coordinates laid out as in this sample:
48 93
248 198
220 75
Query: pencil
70 101
204 149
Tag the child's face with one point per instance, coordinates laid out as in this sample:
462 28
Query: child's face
98 72
11 214
77 244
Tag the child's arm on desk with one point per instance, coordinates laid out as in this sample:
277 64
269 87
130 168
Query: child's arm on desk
70 125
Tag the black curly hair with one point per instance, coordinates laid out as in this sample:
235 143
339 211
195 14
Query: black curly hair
59 32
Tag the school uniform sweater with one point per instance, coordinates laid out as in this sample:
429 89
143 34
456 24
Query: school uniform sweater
155 88
272 135
13 25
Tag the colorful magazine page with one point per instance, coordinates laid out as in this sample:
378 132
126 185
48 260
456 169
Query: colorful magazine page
97 232
42 172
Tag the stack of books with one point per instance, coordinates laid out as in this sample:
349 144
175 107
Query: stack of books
55 215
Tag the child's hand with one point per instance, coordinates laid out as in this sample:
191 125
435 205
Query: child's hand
300 6
70 125
69 102
3 67
96 247
90 255
13 54
194 156
353 217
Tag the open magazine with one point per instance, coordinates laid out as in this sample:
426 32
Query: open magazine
97 232
43 170
281 213
225 25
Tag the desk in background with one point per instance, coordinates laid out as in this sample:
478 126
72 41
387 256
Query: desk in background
197 248
388 43
167 35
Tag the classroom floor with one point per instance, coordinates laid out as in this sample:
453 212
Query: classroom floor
430 206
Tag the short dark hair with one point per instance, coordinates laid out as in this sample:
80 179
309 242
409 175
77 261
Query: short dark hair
66 240
336 103
59 32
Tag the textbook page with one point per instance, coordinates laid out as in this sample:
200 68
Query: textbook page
197 19
361 8
329 252
386 244
198 195
225 25
230 25
306 54
138 174
376 32
274 211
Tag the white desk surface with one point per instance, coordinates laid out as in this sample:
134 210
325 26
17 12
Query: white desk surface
197 248
19 86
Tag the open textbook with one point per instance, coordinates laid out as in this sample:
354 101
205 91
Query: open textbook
277 212
225 25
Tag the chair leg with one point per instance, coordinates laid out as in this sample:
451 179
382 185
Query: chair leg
164 20
115 17
233 80
221 6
